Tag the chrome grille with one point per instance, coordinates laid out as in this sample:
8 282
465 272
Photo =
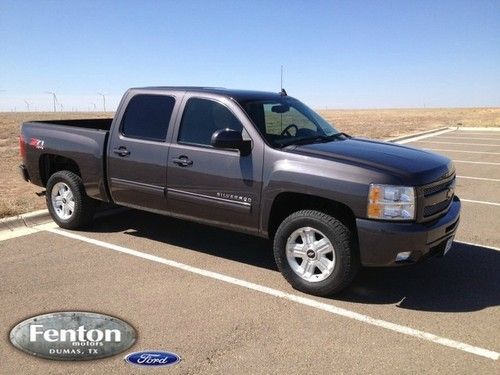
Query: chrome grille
437 188
438 197
436 208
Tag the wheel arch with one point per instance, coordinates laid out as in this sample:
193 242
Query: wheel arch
286 203
49 164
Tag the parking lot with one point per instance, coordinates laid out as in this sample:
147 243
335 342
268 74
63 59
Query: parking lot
216 298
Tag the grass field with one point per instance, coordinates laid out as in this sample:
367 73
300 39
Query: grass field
18 197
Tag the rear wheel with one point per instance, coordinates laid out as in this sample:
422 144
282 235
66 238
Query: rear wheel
68 204
315 253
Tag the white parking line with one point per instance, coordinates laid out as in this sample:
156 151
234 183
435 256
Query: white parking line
460 143
477 129
477 245
480 202
19 232
486 139
480 178
468 133
465 151
25 231
475 162
290 297
423 136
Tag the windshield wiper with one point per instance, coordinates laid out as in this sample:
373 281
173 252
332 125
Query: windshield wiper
315 139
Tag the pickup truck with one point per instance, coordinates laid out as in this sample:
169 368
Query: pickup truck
255 162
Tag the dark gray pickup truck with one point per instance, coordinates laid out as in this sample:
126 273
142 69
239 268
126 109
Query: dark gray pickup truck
255 162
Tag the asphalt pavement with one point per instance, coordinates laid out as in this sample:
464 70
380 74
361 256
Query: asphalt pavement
216 298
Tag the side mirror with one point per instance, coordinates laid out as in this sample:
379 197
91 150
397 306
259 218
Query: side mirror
229 138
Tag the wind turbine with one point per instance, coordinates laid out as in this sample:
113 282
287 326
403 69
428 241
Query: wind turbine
103 100
54 98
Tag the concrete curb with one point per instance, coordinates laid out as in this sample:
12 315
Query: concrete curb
404 137
25 220
34 218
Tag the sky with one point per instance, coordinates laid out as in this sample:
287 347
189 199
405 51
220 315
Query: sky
336 54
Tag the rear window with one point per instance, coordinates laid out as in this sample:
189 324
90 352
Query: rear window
147 117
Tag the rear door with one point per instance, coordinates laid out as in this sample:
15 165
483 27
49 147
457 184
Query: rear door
212 185
138 150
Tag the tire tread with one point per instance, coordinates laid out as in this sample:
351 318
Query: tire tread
84 206
344 243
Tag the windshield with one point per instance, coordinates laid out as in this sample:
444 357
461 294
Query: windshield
287 121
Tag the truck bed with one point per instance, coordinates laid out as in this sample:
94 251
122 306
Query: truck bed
81 143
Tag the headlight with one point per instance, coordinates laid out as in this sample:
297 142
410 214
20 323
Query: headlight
388 202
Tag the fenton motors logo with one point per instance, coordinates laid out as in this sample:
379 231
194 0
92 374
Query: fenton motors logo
73 336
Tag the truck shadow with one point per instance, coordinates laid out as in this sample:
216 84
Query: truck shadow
202 238
467 279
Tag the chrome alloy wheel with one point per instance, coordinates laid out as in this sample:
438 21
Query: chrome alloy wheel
310 254
63 201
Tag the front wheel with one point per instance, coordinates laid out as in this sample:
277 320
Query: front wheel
68 204
315 253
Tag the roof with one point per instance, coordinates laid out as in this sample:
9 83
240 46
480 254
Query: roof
238 95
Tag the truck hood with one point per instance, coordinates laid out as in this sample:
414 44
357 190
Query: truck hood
412 166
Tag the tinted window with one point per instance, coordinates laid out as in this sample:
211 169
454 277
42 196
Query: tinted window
284 121
148 116
202 118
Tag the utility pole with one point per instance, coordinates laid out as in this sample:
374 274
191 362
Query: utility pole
103 101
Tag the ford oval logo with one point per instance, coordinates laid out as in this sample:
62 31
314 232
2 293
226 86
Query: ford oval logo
153 358
73 336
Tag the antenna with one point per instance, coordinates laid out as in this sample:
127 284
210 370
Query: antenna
281 84
103 100
282 90
54 98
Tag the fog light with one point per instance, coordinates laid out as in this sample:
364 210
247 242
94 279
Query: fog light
401 257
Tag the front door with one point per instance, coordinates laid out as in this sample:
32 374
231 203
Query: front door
212 185
138 152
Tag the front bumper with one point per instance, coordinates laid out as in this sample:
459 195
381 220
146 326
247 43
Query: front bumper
381 241
23 171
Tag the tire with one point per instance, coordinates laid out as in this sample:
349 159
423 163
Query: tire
316 253
68 204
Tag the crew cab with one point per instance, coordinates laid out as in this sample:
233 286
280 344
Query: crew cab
255 162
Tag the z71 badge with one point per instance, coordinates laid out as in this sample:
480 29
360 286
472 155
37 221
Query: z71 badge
36 143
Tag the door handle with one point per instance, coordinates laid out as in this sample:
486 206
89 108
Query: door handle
121 151
183 161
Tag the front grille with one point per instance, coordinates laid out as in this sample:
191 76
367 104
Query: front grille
436 208
438 197
437 188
